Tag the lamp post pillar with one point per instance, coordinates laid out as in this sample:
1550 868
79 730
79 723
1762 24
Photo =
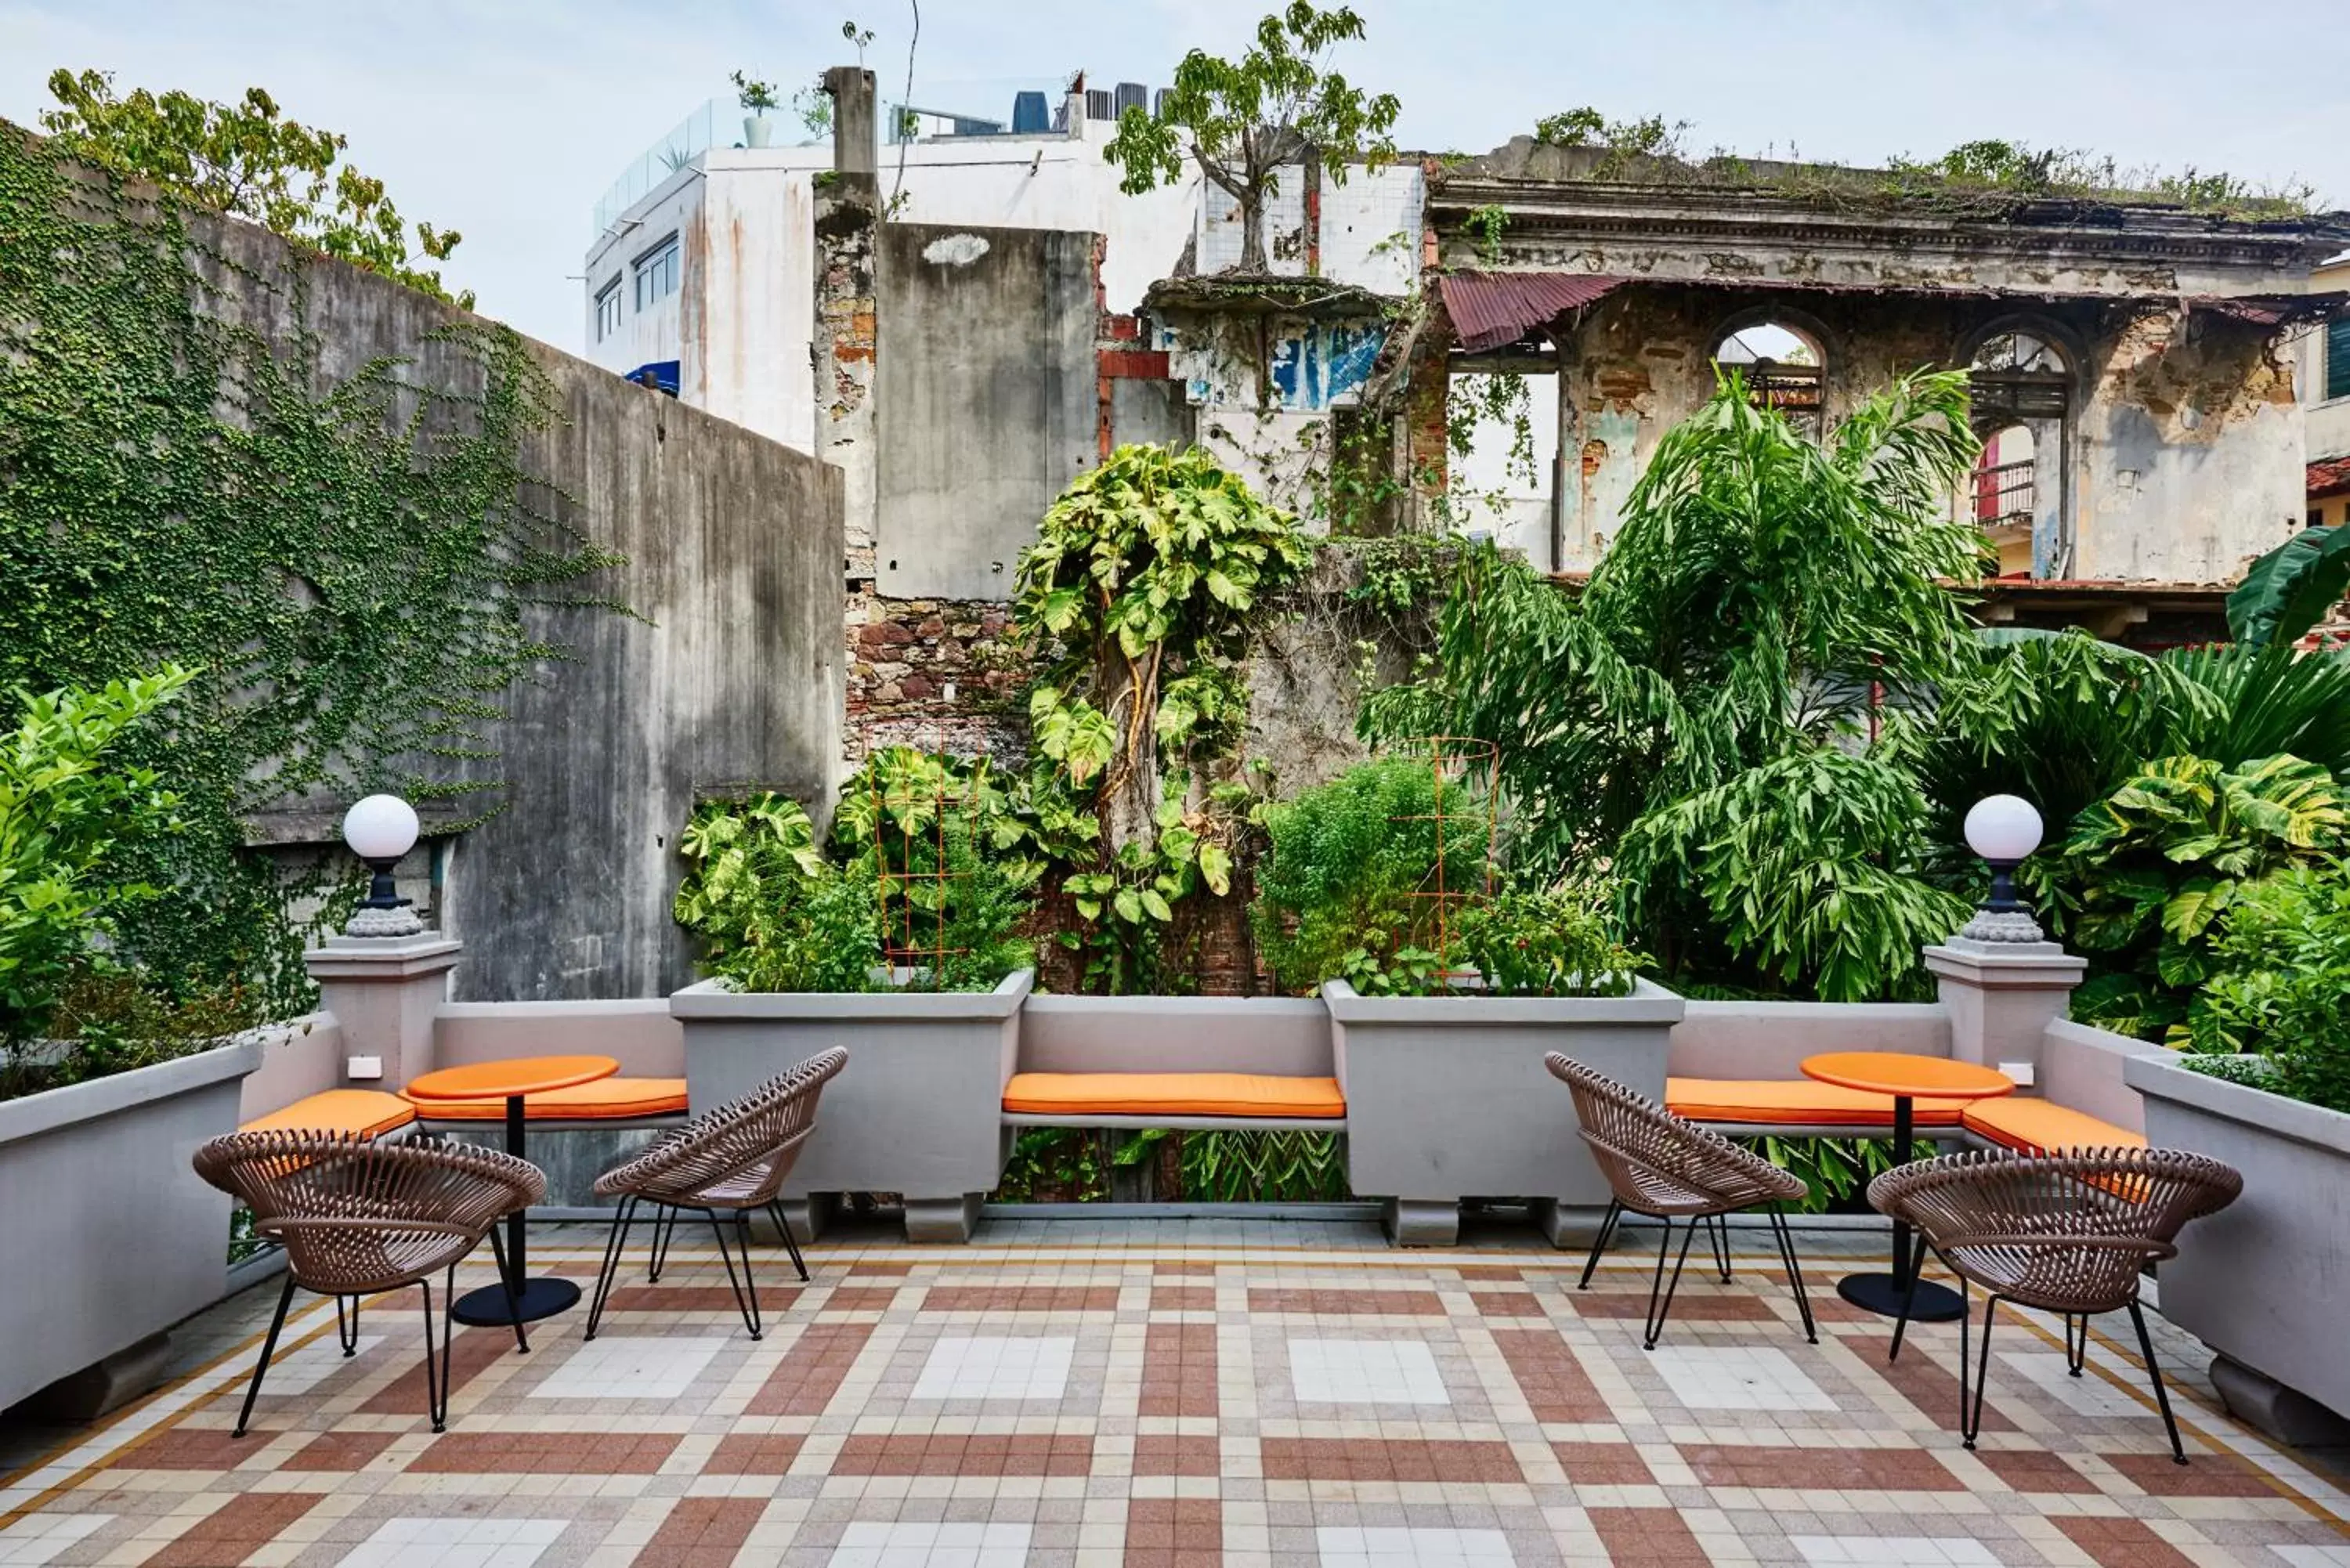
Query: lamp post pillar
384 993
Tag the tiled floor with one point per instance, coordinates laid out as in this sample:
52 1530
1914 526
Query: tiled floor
1167 1394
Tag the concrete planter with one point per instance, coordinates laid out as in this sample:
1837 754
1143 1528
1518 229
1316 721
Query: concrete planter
1447 1098
110 1237
917 1111
2263 1282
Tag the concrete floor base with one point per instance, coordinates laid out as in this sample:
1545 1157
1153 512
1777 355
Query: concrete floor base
1422 1222
86 1394
942 1220
1570 1227
2267 1406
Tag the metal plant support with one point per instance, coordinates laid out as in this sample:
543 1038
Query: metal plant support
916 884
1464 772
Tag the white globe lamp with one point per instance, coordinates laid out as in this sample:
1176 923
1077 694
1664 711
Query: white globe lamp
380 829
2004 829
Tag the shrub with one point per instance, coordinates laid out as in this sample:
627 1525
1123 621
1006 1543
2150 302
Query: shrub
1345 891
2283 990
1545 943
771 913
65 815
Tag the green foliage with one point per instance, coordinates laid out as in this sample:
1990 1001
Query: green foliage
2283 987
2015 168
1137 600
1346 889
346 558
1242 120
770 912
1835 1169
1486 224
955 862
2291 588
1620 142
2145 875
1545 943
244 160
67 807
753 94
107 1021
1685 721
1263 1166
1050 1165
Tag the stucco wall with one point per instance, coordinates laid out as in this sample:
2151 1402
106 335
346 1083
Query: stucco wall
727 673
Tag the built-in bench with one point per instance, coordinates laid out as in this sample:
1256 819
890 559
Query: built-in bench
374 1113
349 1113
1803 1107
1263 1063
1174 1100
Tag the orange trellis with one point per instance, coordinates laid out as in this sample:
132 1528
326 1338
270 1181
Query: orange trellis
912 806
1464 772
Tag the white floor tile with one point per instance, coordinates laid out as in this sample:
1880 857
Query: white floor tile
429 1542
624 1366
312 1365
1364 1372
1737 1377
996 1367
913 1545
1893 1552
2299 1556
1399 1548
2087 1394
37 1538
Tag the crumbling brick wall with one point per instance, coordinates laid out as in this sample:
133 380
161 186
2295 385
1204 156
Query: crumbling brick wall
934 674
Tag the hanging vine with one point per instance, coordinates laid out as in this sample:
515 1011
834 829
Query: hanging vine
346 562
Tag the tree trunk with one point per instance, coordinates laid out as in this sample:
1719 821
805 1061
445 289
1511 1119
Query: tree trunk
1252 233
1129 797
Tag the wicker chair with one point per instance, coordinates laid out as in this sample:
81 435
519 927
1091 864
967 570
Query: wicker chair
2066 1233
736 1159
1659 1165
358 1216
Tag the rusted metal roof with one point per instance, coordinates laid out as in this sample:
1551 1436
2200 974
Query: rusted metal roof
1492 308
2329 476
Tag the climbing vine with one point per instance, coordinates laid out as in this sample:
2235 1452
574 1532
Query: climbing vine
345 560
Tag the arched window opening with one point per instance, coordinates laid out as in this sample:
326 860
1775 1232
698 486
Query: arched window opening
2006 496
2021 384
2019 376
1781 365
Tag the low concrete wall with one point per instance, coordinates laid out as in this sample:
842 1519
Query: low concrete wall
2081 1069
640 1034
298 1058
1771 1039
1176 1034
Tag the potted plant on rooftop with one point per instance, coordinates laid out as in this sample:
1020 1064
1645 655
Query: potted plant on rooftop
106 1085
900 945
1446 986
757 98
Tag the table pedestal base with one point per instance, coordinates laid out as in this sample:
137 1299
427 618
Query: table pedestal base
489 1307
1882 1293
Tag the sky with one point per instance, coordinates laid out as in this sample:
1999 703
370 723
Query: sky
507 119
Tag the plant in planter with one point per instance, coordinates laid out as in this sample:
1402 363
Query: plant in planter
757 98
2276 1014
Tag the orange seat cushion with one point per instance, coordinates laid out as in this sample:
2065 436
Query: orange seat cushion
606 1099
350 1113
1796 1102
1172 1094
2036 1126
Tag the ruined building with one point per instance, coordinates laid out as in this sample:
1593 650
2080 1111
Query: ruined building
2139 370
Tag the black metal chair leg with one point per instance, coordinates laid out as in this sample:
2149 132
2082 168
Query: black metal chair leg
664 1228
346 1331
746 1293
436 1378
1795 1272
2154 1371
615 1247
1599 1242
269 1349
783 1229
513 1287
1722 1245
1909 1297
1658 1313
1970 1422
2077 1349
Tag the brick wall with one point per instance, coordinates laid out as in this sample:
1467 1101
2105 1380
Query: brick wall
934 673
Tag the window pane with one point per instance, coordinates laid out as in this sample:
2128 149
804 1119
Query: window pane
2337 357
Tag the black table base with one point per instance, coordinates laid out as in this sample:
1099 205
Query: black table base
1882 1293
488 1307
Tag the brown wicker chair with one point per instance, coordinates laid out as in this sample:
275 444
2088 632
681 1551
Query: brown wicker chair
735 1158
2066 1233
359 1216
1659 1165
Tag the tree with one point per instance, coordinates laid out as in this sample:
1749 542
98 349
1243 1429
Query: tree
1242 121
245 159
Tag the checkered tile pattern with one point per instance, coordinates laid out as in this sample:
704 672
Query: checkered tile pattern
1110 1398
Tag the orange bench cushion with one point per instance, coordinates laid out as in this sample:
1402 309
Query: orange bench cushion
606 1099
1172 1094
351 1112
2035 1127
1796 1102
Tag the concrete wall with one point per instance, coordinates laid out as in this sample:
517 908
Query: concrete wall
298 1058
2081 1068
1175 1034
1770 1039
727 673
2328 419
639 1034
987 385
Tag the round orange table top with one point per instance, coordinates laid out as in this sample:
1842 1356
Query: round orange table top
505 1080
1895 1073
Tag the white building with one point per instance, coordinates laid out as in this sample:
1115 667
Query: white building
702 267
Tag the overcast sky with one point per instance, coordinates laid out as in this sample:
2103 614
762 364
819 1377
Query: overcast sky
507 119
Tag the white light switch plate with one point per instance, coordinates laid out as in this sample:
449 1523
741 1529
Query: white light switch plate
2022 1072
365 1066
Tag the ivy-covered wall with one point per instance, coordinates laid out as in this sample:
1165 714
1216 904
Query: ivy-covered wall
407 548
